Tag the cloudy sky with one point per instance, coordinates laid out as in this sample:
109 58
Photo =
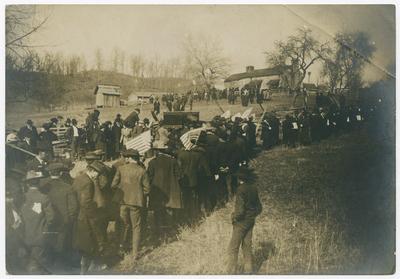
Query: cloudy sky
245 32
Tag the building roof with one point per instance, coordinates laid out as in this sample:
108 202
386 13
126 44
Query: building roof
310 86
108 90
255 73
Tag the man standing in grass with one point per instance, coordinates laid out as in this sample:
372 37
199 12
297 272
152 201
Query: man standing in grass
247 207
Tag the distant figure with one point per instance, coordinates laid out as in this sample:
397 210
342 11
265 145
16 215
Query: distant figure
93 129
117 131
30 135
156 106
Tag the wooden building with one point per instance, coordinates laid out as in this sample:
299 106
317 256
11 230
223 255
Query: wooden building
107 96
275 78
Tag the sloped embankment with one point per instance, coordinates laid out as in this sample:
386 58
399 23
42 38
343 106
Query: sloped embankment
314 198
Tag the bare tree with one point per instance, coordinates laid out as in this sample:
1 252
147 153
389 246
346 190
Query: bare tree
99 59
296 55
21 24
122 61
346 59
205 60
137 65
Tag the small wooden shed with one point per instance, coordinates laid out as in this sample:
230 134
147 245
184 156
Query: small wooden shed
107 96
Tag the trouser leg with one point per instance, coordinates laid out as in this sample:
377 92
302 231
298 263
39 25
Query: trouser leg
85 264
136 221
247 250
238 234
126 226
39 260
159 223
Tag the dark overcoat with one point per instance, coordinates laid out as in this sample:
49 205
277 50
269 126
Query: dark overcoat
38 216
87 235
164 174
66 207
195 167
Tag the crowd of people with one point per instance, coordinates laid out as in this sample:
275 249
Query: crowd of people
139 200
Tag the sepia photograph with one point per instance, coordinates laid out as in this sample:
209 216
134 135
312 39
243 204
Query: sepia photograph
252 139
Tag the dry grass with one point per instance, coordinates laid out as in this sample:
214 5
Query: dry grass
302 229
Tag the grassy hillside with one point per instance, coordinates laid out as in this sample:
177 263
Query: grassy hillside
78 89
328 209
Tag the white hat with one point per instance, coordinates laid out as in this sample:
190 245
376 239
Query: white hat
11 138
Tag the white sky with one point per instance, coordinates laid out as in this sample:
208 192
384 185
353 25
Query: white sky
244 31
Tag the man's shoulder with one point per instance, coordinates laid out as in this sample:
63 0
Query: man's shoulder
130 167
82 178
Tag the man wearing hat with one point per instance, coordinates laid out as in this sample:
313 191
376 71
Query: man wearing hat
29 134
73 135
38 216
132 181
65 203
196 173
46 140
132 118
93 129
87 237
116 131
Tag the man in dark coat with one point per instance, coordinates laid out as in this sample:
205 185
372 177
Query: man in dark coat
304 128
29 134
196 172
266 134
88 238
132 180
116 131
164 174
247 207
156 106
38 216
46 139
65 203
93 129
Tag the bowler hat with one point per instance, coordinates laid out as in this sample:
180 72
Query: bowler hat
132 153
97 166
